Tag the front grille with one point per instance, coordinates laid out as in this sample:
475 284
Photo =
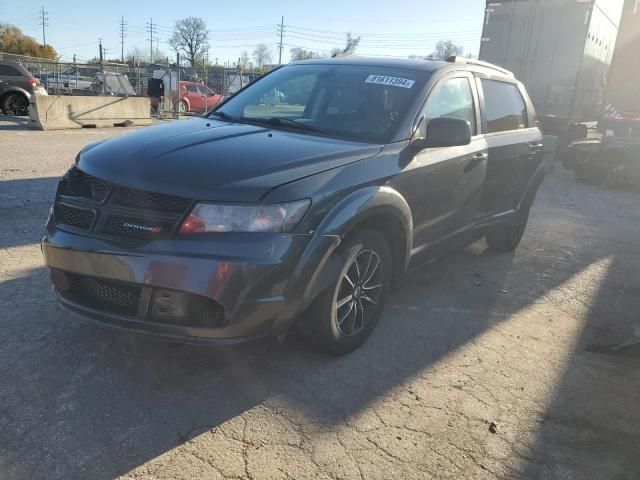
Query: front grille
130 197
76 183
122 211
113 296
134 227
74 217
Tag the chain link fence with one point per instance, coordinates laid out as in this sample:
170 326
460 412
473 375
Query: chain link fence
69 78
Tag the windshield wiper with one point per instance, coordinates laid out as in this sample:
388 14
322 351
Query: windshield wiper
289 122
222 115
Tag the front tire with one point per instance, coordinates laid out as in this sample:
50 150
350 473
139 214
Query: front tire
506 237
341 319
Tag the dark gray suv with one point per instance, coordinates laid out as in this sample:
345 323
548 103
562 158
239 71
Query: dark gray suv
17 86
299 201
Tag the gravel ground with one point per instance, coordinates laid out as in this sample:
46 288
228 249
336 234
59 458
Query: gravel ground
485 365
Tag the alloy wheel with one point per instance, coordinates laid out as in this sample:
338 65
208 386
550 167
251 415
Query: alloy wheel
17 105
358 293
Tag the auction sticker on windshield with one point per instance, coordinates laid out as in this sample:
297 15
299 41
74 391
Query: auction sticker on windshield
392 81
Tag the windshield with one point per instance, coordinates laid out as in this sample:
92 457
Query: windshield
361 103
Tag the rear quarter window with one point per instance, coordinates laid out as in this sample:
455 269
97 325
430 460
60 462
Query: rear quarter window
504 106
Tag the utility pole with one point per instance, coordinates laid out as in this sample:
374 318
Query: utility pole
281 31
150 29
123 33
100 52
44 23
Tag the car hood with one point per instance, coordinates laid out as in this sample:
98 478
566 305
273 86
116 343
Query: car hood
218 161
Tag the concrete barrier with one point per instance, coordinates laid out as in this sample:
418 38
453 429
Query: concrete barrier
57 112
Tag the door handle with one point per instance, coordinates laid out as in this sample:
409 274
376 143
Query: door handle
536 146
477 159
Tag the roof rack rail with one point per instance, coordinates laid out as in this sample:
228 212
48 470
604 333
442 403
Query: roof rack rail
480 63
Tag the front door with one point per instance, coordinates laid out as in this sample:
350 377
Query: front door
444 185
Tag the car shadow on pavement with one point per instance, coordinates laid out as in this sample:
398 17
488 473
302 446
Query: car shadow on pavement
24 207
82 401
9 122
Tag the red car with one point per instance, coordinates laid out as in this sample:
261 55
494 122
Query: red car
196 97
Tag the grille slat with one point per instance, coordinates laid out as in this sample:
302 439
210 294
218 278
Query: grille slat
111 295
74 217
129 197
147 214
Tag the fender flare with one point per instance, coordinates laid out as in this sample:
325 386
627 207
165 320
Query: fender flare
14 89
318 266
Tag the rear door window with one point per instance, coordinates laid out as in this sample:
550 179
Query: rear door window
504 105
453 98
7 71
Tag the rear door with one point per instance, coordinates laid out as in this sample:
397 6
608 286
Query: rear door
515 145
443 185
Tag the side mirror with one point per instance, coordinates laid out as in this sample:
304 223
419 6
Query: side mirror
448 132
444 132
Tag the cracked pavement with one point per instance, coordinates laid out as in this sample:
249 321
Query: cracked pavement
540 343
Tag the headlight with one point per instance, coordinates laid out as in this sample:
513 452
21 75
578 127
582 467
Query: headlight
209 217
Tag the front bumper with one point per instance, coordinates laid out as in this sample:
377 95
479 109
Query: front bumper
260 280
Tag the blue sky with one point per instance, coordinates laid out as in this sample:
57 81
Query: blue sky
387 27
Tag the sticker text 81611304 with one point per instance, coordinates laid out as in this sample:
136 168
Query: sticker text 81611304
391 81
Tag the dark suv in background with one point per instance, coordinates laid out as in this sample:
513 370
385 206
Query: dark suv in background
300 200
17 86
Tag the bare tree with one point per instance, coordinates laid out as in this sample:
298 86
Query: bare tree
262 55
349 48
445 49
244 60
191 37
298 54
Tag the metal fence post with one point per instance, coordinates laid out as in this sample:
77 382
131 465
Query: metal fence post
178 86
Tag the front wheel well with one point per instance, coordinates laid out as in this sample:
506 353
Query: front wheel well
394 232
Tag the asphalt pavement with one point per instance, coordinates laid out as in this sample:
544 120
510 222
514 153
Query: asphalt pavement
485 365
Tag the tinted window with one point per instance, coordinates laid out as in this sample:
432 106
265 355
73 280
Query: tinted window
453 98
8 71
505 107
204 90
192 88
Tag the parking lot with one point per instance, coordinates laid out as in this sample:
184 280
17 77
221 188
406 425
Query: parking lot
485 365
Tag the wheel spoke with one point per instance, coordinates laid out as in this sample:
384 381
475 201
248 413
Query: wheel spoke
373 271
355 262
344 301
361 316
366 270
351 323
346 314
366 298
371 287
346 277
